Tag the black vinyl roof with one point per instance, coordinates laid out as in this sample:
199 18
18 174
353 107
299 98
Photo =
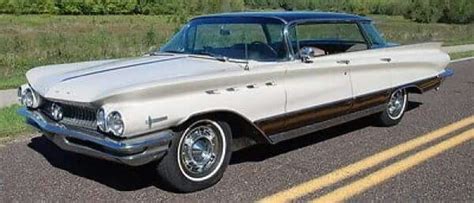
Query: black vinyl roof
290 16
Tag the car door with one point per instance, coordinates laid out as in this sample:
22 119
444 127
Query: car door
370 70
370 77
319 89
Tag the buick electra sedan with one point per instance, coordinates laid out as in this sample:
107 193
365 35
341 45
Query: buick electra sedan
225 82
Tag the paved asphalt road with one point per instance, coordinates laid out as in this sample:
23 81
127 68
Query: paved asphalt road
32 169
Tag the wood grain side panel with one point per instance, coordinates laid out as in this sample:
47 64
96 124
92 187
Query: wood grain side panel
298 119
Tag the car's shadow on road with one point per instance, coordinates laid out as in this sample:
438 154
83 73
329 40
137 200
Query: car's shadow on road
117 176
125 178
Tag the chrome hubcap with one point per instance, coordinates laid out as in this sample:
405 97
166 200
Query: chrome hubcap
396 104
201 150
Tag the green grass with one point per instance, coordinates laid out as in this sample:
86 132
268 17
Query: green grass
11 124
27 41
460 55
399 29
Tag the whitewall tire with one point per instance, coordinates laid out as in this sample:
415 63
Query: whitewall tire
395 110
197 157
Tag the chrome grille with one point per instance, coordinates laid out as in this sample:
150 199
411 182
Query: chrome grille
75 115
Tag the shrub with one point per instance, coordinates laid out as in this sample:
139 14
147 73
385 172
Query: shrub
448 11
27 6
425 11
458 11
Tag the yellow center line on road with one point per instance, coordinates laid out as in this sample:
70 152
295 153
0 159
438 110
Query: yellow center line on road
355 168
399 167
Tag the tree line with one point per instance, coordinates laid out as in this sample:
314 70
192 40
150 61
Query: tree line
426 11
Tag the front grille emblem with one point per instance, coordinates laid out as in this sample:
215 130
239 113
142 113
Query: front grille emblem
56 112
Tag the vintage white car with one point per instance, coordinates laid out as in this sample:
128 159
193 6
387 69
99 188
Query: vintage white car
225 82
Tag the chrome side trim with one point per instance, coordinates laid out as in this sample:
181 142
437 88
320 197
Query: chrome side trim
215 91
271 83
120 67
238 88
133 151
151 120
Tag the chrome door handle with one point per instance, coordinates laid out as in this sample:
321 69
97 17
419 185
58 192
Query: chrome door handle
344 62
386 59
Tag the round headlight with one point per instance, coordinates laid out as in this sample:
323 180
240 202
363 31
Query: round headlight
115 123
27 98
100 119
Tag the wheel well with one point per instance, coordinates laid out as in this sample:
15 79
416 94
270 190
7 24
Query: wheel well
244 132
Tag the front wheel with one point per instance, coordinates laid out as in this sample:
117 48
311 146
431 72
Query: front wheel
197 157
396 107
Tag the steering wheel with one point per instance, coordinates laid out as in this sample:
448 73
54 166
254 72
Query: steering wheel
268 47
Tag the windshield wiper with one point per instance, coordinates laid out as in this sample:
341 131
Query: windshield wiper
206 53
216 56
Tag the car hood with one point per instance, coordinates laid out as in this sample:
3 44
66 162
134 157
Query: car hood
89 81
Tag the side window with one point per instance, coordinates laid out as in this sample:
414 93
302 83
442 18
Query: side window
328 38
275 35
276 32
334 32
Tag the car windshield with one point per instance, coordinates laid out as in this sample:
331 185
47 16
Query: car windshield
237 38
373 35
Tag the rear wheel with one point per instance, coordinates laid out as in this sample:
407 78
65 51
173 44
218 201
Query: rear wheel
396 107
198 156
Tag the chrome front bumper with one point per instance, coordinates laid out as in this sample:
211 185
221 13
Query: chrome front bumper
447 72
134 151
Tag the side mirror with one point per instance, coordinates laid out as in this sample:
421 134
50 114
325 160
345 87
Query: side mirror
306 54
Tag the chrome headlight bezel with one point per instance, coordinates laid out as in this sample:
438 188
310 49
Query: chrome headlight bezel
28 97
115 124
110 122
